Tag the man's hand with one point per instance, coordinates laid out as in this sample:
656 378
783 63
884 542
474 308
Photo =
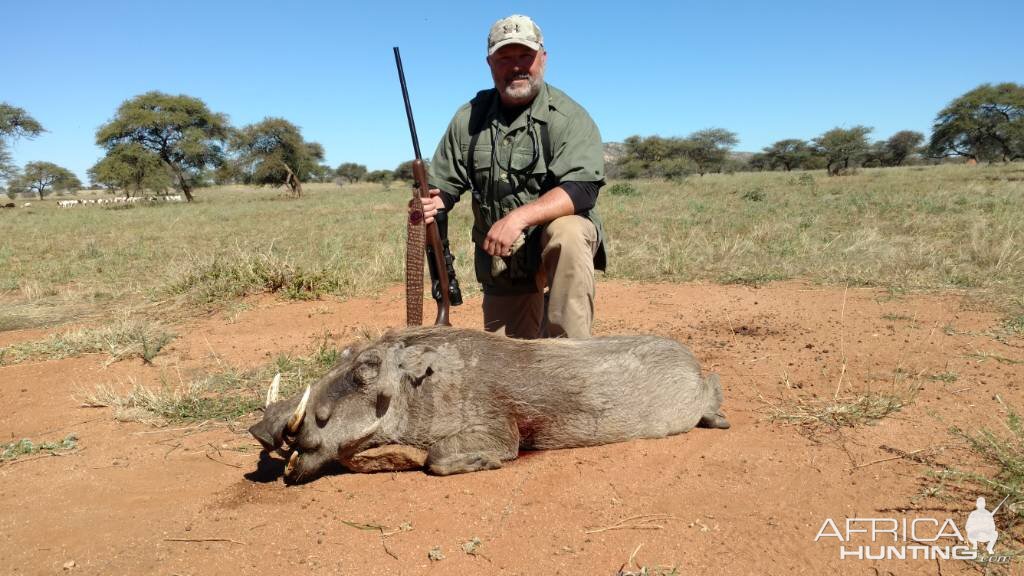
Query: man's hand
552 204
431 205
504 234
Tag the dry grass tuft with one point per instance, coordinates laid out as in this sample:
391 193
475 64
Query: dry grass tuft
224 396
129 337
840 412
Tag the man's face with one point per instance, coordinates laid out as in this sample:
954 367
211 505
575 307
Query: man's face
518 73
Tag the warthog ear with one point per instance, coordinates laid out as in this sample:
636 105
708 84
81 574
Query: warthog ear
418 362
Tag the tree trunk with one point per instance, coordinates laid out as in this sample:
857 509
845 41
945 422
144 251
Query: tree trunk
186 190
293 182
182 181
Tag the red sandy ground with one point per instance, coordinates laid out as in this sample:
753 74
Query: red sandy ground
134 499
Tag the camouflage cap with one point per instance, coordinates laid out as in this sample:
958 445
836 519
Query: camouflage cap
515 29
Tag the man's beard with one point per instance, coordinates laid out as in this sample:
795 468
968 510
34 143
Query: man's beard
523 93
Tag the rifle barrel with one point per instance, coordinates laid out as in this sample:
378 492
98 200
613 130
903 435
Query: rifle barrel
408 105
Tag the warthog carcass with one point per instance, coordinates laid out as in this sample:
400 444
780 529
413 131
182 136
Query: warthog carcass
472 399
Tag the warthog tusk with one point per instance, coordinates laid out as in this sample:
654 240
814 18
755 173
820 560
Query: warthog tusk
275 387
300 412
292 461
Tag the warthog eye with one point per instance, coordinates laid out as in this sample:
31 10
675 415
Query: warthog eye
365 373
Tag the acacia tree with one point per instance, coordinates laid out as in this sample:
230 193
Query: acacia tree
655 156
709 148
403 171
39 177
351 171
180 130
273 152
901 146
790 153
14 123
322 173
381 177
986 123
841 147
132 168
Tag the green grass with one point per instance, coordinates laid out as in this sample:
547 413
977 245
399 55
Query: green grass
26 447
902 229
129 337
223 396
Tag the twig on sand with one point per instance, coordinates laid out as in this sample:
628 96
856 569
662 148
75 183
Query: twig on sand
384 543
633 555
172 449
222 462
383 531
842 346
880 460
189 429
204 540
640 522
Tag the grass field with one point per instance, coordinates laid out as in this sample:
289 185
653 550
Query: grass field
904 229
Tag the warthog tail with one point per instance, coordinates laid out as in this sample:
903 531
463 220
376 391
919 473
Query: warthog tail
713 417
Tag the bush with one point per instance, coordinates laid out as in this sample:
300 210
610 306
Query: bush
622 189
756 194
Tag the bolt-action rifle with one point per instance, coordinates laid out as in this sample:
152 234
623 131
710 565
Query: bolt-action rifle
444 285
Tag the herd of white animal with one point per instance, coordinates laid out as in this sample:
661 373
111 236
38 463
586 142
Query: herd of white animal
117 200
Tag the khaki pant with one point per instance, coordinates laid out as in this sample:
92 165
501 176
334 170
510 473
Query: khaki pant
568 245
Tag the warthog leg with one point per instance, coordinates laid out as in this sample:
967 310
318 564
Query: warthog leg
713 421
714 418
474 449
459 463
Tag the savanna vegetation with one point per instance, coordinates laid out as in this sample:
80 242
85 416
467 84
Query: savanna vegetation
911 228
157 141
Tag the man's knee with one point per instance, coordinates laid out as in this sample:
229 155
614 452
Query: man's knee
572 236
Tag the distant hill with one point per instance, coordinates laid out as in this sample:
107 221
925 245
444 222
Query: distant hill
613 151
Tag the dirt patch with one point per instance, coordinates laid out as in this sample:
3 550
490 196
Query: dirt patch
200 500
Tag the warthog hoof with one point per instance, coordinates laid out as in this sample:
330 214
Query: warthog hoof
714 421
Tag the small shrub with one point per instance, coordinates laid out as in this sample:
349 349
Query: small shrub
756 194
1015 324
25 447
622 189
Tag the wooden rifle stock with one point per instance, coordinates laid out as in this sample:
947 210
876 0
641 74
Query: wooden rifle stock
415 248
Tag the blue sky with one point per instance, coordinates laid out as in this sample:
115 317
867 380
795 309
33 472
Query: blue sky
765 70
